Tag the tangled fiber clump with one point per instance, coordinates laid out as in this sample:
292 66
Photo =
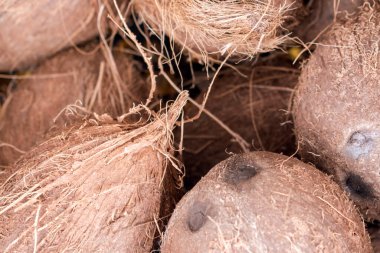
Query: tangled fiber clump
96 188
239 27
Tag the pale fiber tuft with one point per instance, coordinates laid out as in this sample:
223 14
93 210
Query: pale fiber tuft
213 27
96 188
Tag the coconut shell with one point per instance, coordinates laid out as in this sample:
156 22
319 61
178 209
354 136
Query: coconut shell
92 189
258 115
265 202
242 28
336 109
33 30
64 79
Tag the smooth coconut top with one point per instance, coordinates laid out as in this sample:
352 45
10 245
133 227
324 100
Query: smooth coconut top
265 202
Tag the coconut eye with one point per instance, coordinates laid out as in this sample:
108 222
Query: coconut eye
237 173
197 216
358 139
357 187
360 143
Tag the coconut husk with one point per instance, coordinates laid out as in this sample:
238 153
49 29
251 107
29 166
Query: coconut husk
241 28
255 107
33 30
96 188
67 78
335 108
265 202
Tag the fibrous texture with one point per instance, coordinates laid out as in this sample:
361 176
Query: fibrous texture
91 81
239 27
254 107
336 108
97 188
265 202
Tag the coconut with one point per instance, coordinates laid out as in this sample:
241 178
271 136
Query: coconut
255 107
70 76
33 30
97 188
335 109
203 27
265 202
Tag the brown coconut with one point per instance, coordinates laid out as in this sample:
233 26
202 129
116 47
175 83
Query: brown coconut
255 107
66 78
92 189
33 30
335 109
265 202
209 27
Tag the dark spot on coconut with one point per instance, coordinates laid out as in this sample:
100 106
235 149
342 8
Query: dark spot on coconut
237 172
197 216
358 139
357 187
361 143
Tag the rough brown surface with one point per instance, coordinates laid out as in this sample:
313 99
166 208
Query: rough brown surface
255 107
92 189
64 79
209 27
336 109
33 30
265 202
